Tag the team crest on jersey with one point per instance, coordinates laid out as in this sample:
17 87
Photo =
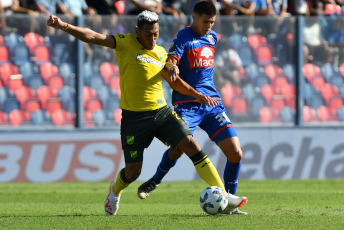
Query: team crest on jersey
121 35
133 154
202 57
130 140
211 39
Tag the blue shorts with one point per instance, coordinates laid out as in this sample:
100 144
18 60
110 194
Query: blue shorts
214 121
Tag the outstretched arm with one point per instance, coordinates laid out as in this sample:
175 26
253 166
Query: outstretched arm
82 33
171 75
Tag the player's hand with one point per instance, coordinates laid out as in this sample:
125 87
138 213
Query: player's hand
56 22
206 100
173 73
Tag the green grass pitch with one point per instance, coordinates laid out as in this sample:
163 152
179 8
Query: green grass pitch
273 204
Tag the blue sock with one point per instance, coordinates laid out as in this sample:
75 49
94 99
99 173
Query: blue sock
165 165
230 176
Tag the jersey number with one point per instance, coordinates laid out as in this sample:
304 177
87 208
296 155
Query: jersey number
222 118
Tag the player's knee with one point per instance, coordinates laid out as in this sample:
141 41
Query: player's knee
189 146
174 153
132 173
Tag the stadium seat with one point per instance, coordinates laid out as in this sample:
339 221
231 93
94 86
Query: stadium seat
41 54
32 39
340 113
118 116
66 93
260 81
37 117
287 114
61 54
88 93
43 94
4 94
47 70
239 106
248 91
20 55
55 83
103 93
16 117
280 82
15 82
246 55
99 117
316 101
6 71
228 92
256 40
323 113
67 72
115 86
265 114
318 82
273 71
12 39
337 80
108 69
267 92
308 114
11 104
35 81
32 105
4 54
328 70
93 105
277 103
289 72
265 54
335 102
61 117
96 81
256 104
111 105
3 118
53 104
341 69
289 93
28 69
327 91
310 70
236 40
23 93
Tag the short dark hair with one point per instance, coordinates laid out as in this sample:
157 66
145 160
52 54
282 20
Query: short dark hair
205 7
147 17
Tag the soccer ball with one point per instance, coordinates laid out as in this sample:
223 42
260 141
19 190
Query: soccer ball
213 200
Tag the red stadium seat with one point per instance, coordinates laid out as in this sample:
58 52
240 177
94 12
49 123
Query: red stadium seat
15 82
277 103
267 93
6 71
108 69
255 40
4 54
289 92
335 102
228 92
280 82
327 91
47 70
118 116
309 114
16 117
310 70
239 106
3 118
43 94
32 40
265 114
31 105
93 105
23 93
2 40
41 54
341 69
88 93
272 71
61 117
55 84
318 82
115 86
264 54
53 104
323 113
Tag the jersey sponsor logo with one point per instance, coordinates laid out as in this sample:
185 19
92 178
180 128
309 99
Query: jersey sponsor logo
195 40
202 57
140 57
130 140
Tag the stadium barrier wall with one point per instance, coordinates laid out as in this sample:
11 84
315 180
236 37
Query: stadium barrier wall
269 153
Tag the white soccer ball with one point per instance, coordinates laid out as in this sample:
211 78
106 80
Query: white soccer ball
213 200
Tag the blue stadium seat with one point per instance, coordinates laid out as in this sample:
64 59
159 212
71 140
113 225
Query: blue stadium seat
4 94
337 80
28 69
328 70
111 105
99 117
246 54
248 91
287 114
236 40
66 94
256 104
67 71
289 72
252 71
35 81
11 104
20 54
261 80
340 113
103 93
13 39
316 101
96 81
37 117
61 54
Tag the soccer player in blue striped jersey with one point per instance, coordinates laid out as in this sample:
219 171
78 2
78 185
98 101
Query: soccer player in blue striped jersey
192 58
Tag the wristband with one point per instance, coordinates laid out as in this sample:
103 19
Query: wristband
171 67
64 29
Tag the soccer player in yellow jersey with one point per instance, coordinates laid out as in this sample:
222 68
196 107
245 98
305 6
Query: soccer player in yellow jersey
145 114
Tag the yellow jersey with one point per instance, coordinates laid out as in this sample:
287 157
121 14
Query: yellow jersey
140 74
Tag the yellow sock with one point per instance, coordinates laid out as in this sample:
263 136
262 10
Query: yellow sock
121 183
207 171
